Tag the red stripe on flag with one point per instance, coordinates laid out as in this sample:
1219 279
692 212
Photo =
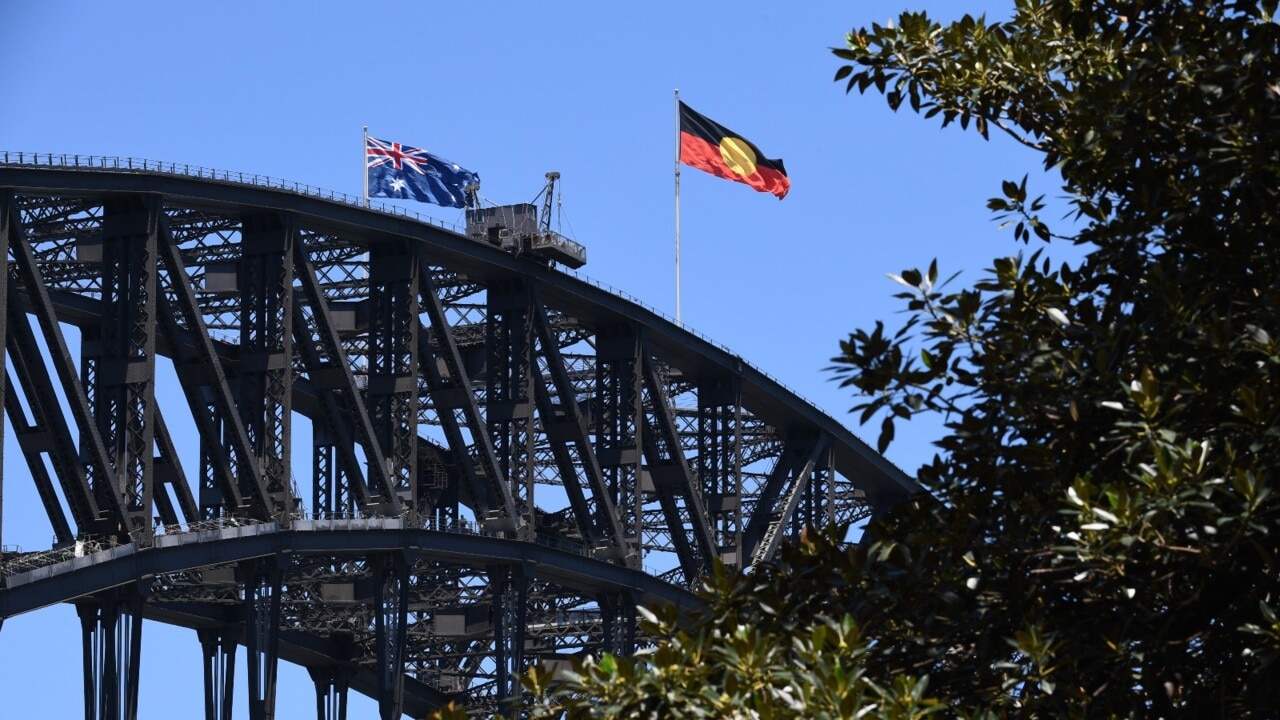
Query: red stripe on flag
698 153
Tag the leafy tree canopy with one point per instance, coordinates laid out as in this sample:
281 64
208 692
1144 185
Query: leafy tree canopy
1101 539
1107 531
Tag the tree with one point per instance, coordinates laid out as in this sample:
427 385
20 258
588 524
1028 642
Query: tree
1101 536
766 645
1106 534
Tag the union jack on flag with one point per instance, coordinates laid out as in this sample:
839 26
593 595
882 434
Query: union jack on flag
410 173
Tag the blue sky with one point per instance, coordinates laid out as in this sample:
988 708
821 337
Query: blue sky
511 91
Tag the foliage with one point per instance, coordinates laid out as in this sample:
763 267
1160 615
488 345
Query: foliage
1103 539
758 649
1105 542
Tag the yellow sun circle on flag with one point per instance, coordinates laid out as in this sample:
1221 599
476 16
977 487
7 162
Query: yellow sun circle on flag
737 154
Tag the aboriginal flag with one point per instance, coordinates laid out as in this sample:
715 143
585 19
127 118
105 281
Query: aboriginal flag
712 147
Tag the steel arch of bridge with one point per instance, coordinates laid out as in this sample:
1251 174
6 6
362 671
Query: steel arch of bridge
496 453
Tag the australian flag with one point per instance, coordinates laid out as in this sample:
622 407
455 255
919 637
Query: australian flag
403 172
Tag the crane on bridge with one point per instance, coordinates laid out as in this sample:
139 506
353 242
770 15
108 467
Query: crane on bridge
516 229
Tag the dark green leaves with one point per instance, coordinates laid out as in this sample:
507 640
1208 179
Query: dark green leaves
1110 427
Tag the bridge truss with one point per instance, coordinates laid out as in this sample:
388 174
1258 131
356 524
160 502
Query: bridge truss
414 463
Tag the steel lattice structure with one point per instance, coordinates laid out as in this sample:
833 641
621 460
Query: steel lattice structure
421 462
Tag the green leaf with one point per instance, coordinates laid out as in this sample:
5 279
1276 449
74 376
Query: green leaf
886 434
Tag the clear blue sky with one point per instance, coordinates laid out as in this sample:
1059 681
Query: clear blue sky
512 90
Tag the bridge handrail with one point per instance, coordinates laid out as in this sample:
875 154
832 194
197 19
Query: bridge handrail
132 164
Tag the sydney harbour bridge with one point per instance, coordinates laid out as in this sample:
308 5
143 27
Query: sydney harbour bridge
412 459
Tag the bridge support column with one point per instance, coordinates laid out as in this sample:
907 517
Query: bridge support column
339 488
510 585
323 474
111 628
331 692
391 598
619 426
265 278
618 609
720 463
509 389
393 365
219 651
262 633
119 359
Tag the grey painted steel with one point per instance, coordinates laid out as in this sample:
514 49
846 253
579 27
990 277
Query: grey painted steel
661 440
760 393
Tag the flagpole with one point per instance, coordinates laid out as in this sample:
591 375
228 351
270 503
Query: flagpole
362 362
678 322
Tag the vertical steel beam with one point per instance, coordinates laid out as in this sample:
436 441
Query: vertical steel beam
119 356
262 584
510 588
719 462
619 426
90 361
265 281
509 388
218 650
393 363
98 651
618 610
111 635
331 692
327 496
391 601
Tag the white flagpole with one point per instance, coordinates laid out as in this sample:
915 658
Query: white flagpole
362 361
678 322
